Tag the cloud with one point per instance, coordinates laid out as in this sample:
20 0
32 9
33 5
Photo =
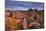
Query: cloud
21 8
17 8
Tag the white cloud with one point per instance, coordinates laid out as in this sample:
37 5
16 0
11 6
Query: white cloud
21 8
8 9
17 8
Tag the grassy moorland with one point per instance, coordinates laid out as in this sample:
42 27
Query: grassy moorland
17 17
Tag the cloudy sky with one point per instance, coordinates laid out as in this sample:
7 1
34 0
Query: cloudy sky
22 5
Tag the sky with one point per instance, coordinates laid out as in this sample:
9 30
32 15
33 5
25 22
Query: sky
22 5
